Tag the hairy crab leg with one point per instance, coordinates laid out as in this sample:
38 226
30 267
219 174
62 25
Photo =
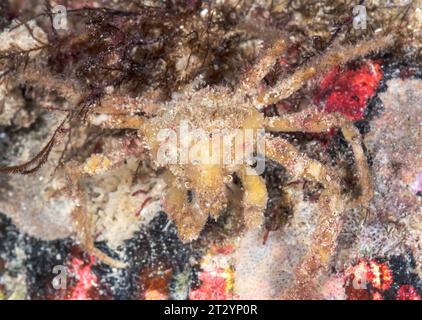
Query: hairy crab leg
315 121
257 72
334 56
316 260
116 121
121 112
120 104
81 217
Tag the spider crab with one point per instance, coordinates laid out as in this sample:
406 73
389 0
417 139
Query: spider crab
197 190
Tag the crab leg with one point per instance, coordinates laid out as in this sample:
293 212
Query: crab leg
81 217
334 56
316 260
314 121
116 121
119 104
266 61
121 112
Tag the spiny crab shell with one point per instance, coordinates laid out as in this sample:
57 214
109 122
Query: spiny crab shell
197 188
